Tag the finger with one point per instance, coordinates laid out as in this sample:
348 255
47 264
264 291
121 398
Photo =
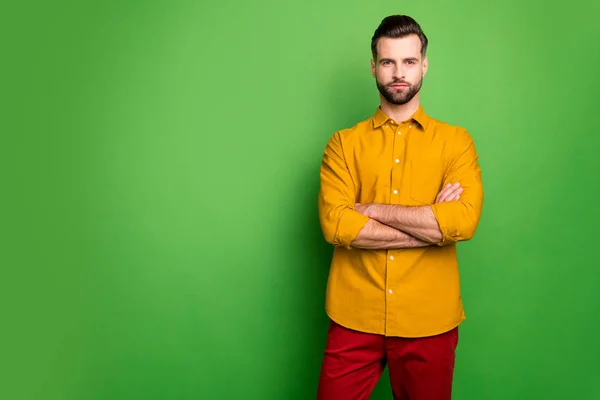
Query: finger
449 193
444 192
455 195
455 189
441 193
452 194
443 196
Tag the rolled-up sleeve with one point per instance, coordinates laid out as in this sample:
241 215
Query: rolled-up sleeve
340 223
458 220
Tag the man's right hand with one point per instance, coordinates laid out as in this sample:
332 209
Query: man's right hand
449 193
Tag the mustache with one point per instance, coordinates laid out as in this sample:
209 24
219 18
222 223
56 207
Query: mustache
396 81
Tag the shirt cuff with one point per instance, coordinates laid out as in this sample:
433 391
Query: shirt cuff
350 225
442 213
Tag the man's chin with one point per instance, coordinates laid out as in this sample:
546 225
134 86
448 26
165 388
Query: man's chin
396 100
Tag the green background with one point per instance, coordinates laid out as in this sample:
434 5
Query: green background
160 170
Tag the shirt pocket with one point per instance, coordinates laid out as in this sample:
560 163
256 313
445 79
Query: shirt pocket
426 178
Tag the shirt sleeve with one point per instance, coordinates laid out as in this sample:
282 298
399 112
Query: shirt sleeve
340 223
458 220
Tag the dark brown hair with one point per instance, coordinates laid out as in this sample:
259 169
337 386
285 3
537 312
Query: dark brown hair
398 26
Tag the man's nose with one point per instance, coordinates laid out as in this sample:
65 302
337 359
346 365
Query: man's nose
399 73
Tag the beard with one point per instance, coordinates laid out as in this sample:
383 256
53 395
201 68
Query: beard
399 97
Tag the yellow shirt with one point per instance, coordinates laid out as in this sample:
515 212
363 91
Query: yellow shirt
403 292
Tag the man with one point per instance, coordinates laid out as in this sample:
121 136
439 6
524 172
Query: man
398 192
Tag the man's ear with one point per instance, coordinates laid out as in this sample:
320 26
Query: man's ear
425 65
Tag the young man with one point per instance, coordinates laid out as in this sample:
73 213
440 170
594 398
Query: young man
398 192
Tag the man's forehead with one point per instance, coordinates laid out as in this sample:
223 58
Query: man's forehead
409 46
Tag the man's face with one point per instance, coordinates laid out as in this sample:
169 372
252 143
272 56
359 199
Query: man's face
399 68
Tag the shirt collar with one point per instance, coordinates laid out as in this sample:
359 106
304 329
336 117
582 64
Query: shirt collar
419 116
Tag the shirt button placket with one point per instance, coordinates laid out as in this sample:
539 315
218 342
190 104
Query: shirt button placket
394 174
390 291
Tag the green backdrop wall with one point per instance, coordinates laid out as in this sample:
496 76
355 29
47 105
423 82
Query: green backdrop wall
161 238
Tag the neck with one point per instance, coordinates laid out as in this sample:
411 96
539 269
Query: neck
400 112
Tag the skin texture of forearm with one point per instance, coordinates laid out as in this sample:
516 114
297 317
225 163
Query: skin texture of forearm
376 235
419 222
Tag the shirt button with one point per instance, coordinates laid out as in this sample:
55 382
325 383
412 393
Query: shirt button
397 160
392 258
399 133
390 291
410 126
395 192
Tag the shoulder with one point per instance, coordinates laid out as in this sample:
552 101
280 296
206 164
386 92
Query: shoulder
356 130
348 136
448 131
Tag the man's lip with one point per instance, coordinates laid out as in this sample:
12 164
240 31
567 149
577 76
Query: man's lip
399 85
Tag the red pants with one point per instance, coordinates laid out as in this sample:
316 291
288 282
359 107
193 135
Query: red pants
419 368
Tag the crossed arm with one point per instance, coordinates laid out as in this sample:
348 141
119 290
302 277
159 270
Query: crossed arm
453 217
397 227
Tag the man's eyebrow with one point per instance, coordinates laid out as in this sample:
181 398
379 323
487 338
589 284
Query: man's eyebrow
404 59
